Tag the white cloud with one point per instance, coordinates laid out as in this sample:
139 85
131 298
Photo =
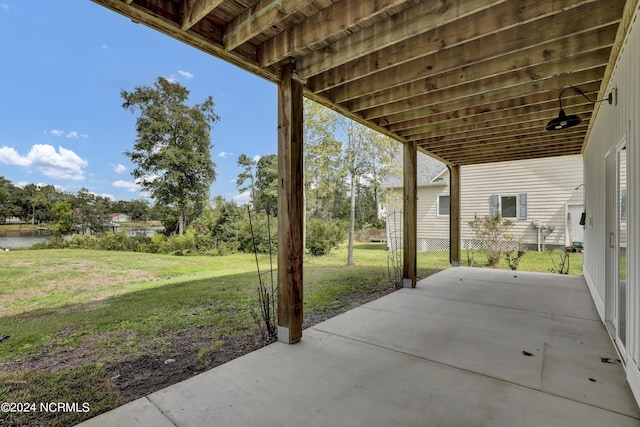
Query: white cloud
224 154
10 156
185 74
104 46
108 196
242 198
119 168
61 164
256 158
72 134
76 134
131 186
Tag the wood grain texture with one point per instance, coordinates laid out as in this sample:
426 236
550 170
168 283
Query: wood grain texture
290 206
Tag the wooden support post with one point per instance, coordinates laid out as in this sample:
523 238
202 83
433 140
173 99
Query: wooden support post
410 226
290 207
454 215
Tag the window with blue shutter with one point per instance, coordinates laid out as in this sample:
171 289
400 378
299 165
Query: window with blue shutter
522 206
494 203
509 206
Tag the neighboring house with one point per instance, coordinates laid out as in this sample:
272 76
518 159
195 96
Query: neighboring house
544 199
119 217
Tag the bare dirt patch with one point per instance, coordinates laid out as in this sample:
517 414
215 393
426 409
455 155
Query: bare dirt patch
166 360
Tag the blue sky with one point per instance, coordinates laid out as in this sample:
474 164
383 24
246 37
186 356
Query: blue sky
62 68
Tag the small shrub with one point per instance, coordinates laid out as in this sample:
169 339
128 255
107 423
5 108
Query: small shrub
322 236
114 242
513 258
82 241
55 242
491 231
181 245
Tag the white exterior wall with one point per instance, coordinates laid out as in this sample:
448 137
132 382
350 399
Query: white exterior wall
612 125
430 225
550 185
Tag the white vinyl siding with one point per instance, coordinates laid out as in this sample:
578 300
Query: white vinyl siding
612 125
543 188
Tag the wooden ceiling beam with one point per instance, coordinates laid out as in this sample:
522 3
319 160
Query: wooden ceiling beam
511 158
570 135
543 91
192 11
505 155
198 40
488 149
520 106
496 121
339 18
258 18
545 37
423 104
425 16
447 68
514 131
447 88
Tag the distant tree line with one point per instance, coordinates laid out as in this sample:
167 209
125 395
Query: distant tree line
66 212
345 166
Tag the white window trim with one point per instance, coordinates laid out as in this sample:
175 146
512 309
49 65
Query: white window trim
515 196
517 217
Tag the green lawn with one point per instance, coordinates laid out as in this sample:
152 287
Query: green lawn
81 320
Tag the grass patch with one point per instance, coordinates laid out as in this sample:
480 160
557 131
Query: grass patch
85 386
540 262
97 326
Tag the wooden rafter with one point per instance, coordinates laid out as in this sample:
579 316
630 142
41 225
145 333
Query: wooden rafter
260 17
339 18
464 79
192 11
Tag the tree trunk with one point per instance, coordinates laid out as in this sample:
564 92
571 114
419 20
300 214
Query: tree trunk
352 221
181 220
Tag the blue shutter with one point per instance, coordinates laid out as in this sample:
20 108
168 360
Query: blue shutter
522 211
495 199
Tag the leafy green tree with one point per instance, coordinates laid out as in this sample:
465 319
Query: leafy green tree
38 201
62 217
172 152
90 212
260 178
324 175
138 210
246 181
10 199
267 184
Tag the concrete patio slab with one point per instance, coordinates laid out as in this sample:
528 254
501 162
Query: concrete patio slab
421 356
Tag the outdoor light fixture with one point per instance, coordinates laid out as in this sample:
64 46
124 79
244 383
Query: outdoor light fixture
563 121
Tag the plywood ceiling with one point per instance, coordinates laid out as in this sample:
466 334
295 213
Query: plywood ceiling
471 81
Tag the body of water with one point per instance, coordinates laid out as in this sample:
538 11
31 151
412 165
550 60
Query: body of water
24 239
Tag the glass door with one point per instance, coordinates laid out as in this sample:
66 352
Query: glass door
616 258
621 246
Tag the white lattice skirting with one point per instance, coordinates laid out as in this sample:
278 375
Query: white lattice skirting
442 245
